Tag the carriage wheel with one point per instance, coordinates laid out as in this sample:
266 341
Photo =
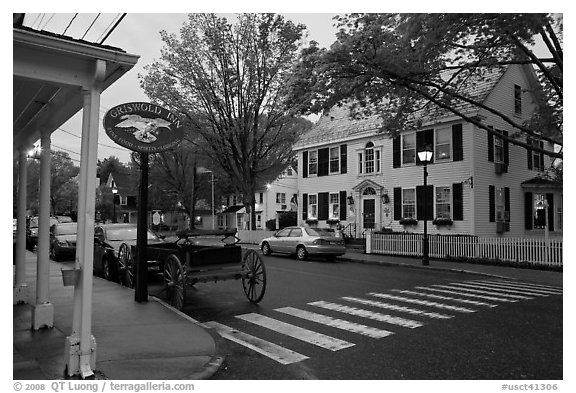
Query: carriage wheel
254 276
125 266
174 282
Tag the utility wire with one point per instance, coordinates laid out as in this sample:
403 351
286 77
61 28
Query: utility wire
89 27
101 144
48 21
69 24
113 28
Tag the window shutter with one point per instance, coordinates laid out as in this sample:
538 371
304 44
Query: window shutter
397 203
420 202
506 152
323 161
457 148
528 210
305 164
507 202
343 215
492 203
550 200
457 202
304 207
343 159
529 156
323 206
490 147
396 152
541 156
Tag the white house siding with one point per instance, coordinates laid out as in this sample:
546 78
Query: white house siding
502 98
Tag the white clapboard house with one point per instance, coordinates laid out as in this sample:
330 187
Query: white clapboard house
357 179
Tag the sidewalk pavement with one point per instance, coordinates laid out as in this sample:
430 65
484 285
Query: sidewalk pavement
152 341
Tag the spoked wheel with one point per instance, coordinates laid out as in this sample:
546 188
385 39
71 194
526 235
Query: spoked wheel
174 282
253 276
125 266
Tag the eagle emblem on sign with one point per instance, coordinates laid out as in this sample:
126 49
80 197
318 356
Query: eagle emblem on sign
147 129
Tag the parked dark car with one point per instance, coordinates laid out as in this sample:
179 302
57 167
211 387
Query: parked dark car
63 240
113 254
32 231
303 241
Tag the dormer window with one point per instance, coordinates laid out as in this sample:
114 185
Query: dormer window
517 100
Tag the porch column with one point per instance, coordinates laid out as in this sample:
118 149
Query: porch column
20 293
80 346
43 311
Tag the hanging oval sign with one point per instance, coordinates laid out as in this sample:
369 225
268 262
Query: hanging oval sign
143 127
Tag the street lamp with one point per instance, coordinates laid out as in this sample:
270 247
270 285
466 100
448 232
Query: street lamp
425 157
204 170
114 192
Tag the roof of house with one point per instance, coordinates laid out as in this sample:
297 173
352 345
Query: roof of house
541 182
233 209
337 124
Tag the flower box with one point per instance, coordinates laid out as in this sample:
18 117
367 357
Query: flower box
408 221
312 221
442 221
333 221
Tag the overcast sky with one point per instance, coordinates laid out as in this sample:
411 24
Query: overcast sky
138 34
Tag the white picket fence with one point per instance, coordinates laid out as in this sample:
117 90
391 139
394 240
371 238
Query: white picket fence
534 251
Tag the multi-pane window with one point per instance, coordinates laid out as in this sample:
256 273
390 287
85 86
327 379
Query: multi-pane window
443 143
289 171
498 149
313 206
517 100
537 157
334 159
334 206
280 197
443 202
409 203
369 159
369 154
261 198
313 162
499 204
409 148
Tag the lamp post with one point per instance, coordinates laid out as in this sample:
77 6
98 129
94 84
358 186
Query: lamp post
204 170
425 157
114 192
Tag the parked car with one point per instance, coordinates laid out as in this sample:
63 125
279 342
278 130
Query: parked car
112 252
303 241
32 231
63 240
64 219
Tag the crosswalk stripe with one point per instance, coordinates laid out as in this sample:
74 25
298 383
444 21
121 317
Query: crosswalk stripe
394 307
453 299
509 284
275 352
319 339
335 322
504 289
375 316
493 298
526 284
422 302
463 288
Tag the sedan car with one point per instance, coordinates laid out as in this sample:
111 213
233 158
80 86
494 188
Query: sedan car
303 241
32 231
113 258
63 240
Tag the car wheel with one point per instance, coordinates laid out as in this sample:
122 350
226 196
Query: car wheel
106 269
301 253
266 249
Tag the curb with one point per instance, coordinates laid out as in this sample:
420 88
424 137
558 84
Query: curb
410 266
216 361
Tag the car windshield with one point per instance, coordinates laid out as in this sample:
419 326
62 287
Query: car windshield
66 229
129 233
320 231
34 222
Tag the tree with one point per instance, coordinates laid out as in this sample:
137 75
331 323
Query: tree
109 165
396 64
229 82
63 185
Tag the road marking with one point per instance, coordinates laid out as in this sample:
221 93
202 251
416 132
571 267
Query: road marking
503 289
538 288
454 299
335 322
467 294
319 339
394 307
461 287
275 352
422 302
376 316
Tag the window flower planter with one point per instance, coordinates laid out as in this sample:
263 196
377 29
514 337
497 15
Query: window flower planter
312 221
442 221
408 221
333 221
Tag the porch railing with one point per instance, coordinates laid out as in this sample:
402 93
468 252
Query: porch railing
535 251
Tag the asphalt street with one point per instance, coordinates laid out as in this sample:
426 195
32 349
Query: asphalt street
339 320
